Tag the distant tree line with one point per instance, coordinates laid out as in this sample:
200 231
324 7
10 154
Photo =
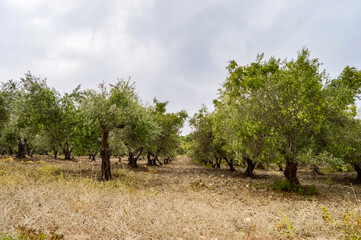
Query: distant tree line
282 112
111 120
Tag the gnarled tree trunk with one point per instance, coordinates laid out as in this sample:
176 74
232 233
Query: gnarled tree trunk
291 171
133 157
250 167
105 154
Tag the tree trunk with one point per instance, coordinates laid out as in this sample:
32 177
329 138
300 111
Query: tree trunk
21 149
155 160
250 167
230 164
55 152
27 147
316 169
260 166
150 162
133 158
67 152
105 154
291 171
218 162
358 170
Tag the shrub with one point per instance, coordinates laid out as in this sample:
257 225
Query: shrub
287 186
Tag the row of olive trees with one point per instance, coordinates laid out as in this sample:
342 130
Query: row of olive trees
111 120
282 112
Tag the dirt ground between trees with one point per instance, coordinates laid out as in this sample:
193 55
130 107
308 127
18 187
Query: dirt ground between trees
181 200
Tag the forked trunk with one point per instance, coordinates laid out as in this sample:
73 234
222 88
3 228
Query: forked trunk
357 167
291 171
105 154
230 164
250 167
133 157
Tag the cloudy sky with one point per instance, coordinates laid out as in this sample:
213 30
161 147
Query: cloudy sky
174 50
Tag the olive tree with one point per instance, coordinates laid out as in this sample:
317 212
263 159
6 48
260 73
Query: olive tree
108 109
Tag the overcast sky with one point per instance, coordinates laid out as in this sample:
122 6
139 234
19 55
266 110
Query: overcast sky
174 50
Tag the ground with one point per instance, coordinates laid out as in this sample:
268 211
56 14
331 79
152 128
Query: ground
182 200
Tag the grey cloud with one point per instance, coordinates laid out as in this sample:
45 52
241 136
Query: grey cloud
175 50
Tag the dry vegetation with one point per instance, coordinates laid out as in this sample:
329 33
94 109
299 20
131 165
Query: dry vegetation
179 201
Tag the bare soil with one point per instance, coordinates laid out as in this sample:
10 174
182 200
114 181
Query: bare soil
181 200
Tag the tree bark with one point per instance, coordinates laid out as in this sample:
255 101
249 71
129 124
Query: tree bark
250 167
105 154
291 171
133 158
230 164
150 162
358 170
21 149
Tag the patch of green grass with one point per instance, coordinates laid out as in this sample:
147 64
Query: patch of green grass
26 233
287 186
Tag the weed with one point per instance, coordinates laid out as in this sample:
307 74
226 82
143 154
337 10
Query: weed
26 233
327 217
285 227
351 225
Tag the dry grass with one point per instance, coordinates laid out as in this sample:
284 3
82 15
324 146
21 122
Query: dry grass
178 201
